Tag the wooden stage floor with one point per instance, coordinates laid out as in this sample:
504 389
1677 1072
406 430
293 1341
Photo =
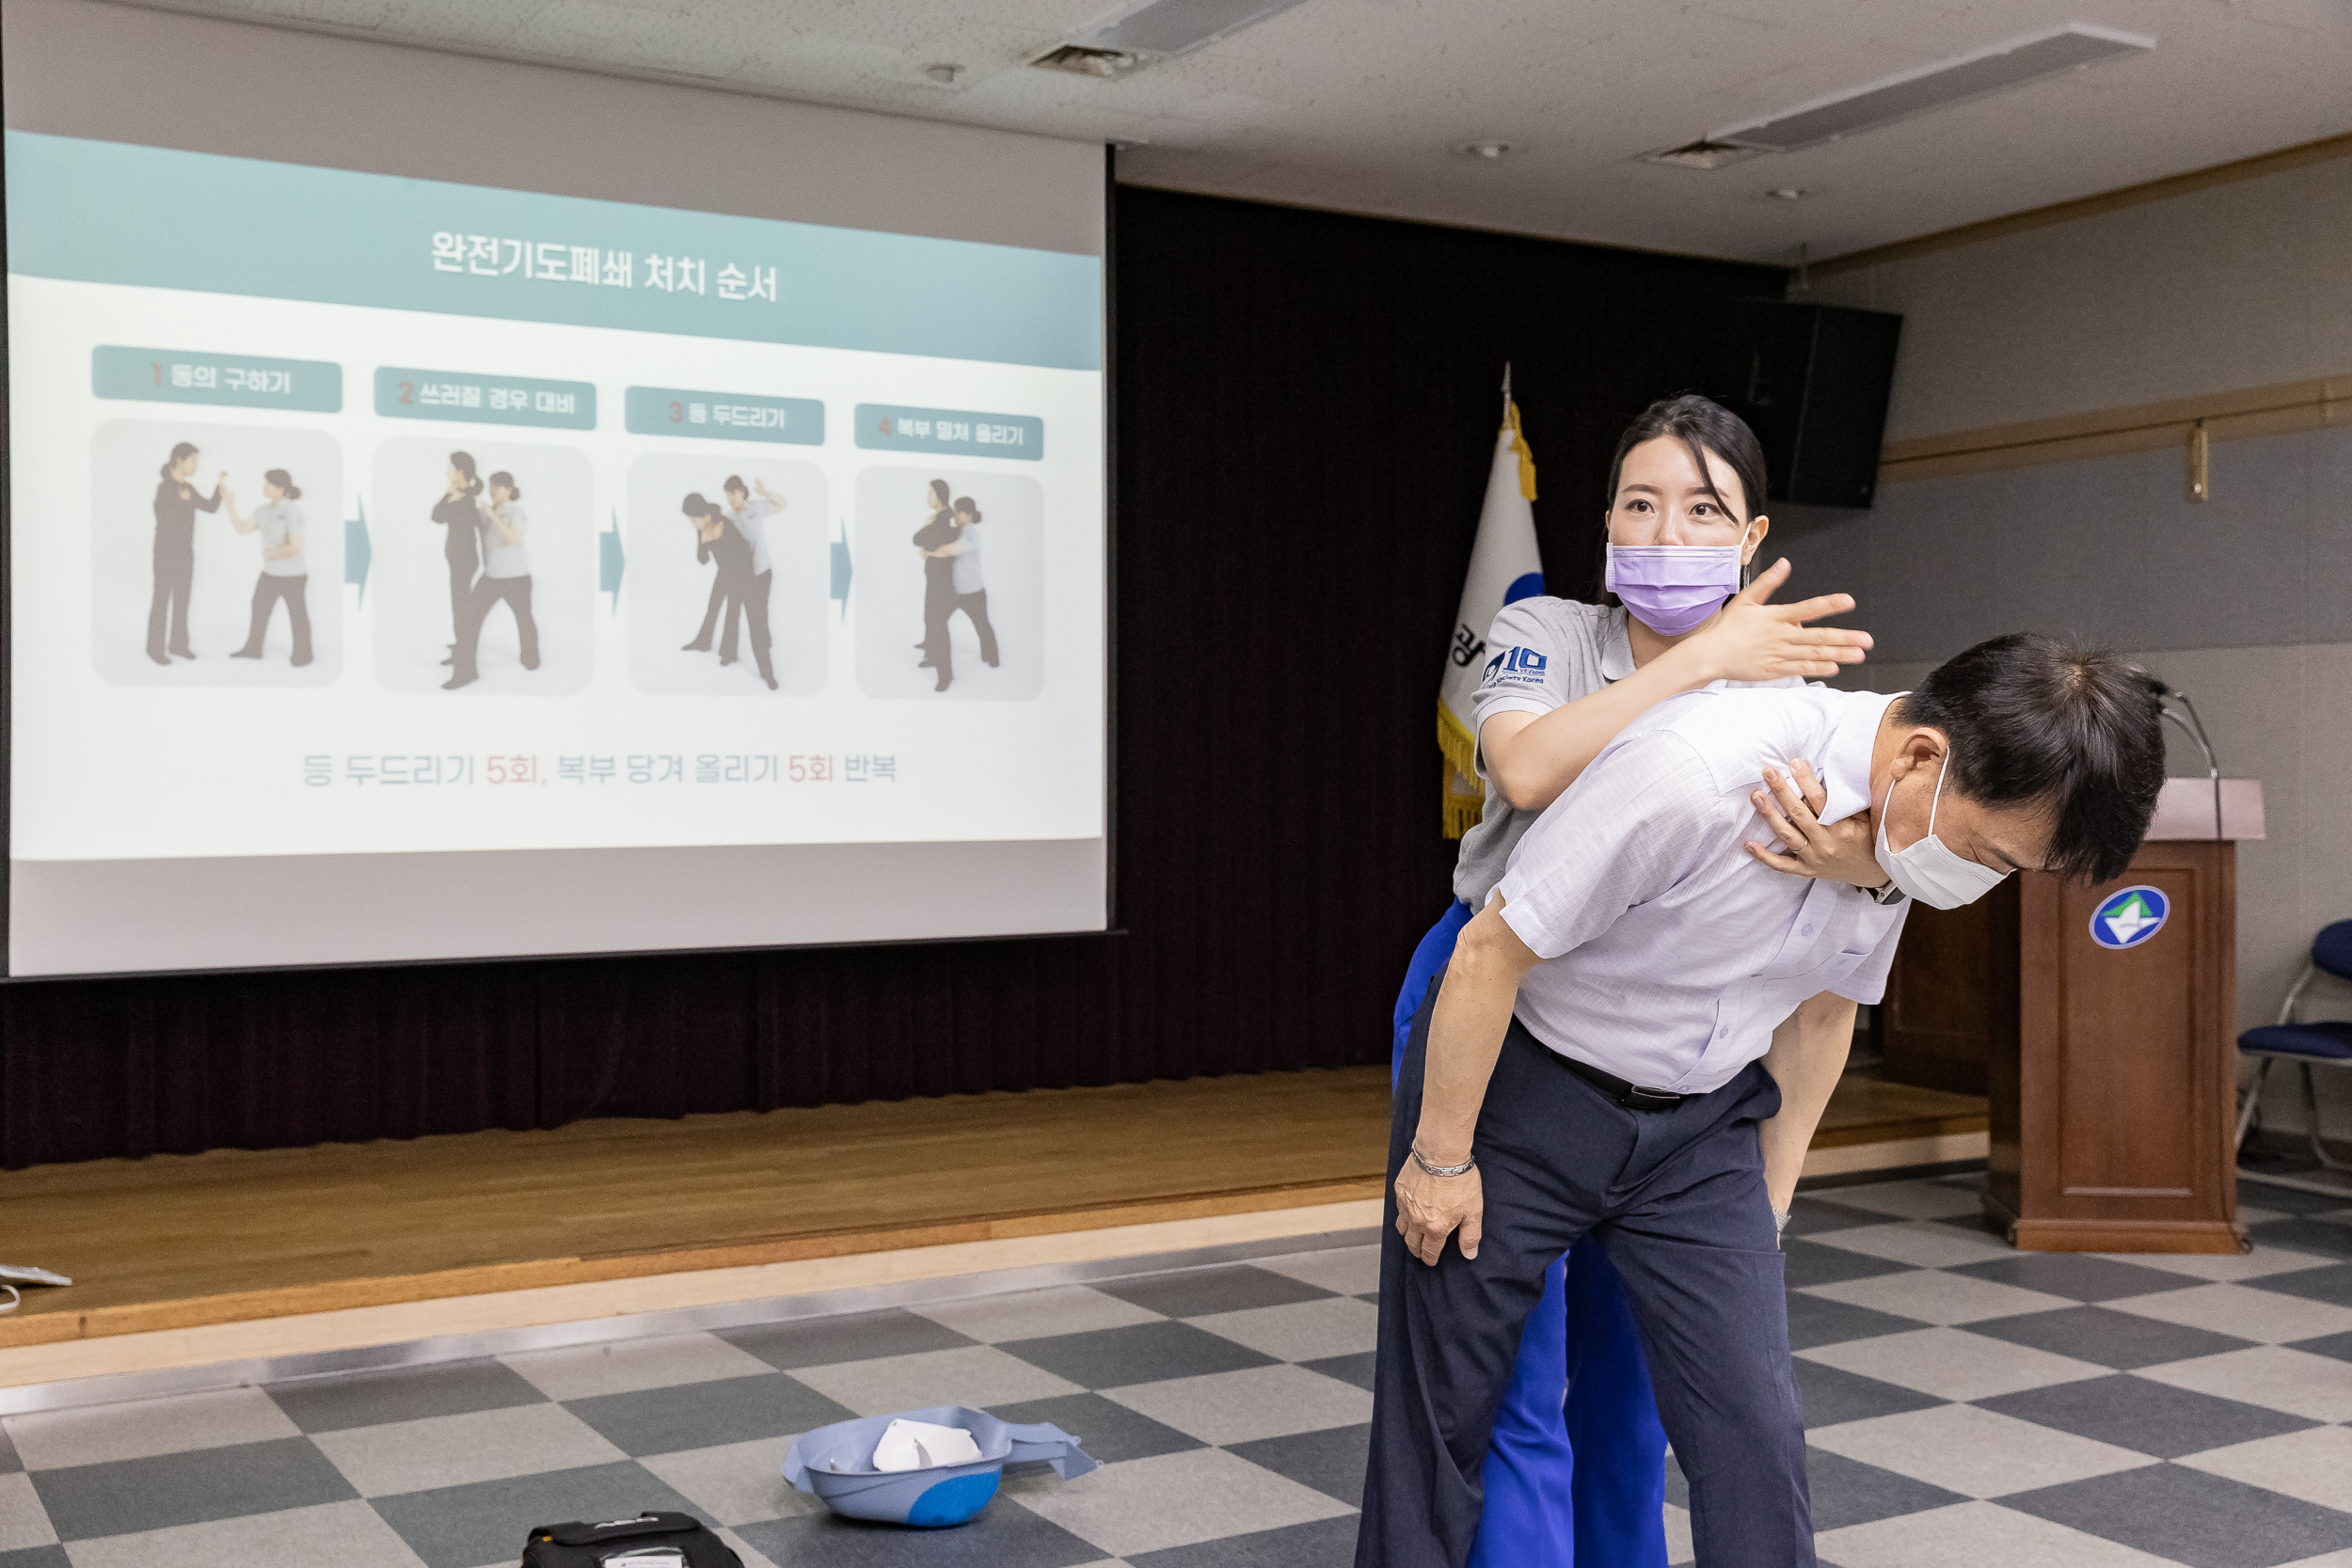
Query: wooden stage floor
179 1242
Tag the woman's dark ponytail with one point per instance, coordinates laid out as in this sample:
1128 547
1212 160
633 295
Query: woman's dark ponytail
463 462
504 480
285 483
180 454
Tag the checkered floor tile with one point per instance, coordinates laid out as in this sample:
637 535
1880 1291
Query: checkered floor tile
1969 1406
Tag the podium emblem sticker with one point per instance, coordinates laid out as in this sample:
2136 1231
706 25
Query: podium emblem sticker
2129 917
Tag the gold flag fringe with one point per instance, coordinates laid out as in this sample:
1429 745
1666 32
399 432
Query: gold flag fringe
1461 807
1455 741
1463 810
1526 456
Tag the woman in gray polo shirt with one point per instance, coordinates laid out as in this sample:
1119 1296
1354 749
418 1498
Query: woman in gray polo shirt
284 574
1562 679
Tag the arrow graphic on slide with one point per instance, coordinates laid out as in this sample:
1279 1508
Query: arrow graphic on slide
609 576
841 569
356 550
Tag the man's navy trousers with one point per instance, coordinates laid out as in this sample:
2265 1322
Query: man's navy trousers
1677 1199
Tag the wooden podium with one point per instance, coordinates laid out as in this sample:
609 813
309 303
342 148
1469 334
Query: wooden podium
2111 1072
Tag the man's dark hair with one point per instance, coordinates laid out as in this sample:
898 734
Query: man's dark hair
1702 425
2040 719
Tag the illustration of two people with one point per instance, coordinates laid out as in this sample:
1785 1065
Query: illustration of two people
950 544
284 574
735 537
486 524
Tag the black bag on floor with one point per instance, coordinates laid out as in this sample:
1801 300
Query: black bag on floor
648 1541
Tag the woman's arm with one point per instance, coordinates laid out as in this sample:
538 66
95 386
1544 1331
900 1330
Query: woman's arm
1844 851
293 546
1532 758
236 519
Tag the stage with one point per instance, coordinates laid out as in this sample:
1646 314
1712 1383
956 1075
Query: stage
184 1261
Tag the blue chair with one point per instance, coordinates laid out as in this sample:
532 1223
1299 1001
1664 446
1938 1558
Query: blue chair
2327 1043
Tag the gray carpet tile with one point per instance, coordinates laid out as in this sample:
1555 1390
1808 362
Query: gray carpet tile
2190 1517
1331 1462
411 1394
857 1337
1144 1353
130 1495
2107 1337
1197 1292
2144 1416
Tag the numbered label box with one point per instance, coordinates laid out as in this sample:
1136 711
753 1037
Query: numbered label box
677 411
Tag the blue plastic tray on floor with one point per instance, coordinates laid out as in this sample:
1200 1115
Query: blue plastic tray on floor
837 1462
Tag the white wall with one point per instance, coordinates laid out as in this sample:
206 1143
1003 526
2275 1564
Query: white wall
2239 285
2244 601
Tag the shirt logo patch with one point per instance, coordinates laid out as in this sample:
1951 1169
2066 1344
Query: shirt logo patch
1515 667
2130 917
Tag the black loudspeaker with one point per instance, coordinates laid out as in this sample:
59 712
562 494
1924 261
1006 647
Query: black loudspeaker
1812 381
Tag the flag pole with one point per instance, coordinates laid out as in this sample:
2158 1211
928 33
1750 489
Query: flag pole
1506 388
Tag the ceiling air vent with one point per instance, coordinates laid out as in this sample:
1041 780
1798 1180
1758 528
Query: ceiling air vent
1936 87
1078 60
1702 154
1137 35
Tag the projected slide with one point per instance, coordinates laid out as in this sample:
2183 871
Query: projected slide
356 516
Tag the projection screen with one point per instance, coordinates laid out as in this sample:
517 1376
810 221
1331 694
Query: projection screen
461 508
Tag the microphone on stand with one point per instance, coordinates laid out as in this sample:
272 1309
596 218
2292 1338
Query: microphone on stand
2213 768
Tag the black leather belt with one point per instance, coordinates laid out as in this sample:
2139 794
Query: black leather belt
1630 1095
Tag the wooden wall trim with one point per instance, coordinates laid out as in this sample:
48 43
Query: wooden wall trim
2324 151
2275 410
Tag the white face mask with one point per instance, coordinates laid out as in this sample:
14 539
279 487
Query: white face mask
1929 871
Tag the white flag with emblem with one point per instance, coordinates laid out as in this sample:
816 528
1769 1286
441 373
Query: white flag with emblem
1504 566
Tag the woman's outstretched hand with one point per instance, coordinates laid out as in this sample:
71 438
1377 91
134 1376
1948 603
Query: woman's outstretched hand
1755 640
1842 852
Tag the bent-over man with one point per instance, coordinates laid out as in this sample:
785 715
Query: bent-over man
1637 1035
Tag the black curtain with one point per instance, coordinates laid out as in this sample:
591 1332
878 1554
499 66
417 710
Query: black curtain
1307 404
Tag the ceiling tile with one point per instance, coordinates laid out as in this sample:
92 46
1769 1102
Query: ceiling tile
1361 102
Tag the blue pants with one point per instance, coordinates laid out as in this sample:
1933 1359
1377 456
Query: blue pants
1543 1508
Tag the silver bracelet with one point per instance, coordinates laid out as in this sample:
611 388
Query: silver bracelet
1780 1221
1468 1163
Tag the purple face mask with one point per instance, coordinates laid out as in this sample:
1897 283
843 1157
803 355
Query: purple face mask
1672 588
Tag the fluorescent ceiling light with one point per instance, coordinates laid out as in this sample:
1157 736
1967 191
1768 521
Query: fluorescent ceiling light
1163 29
1935 86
